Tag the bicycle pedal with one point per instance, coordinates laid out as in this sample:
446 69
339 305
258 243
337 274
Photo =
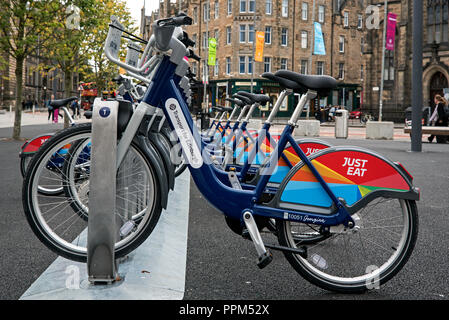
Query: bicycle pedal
245 234
265 259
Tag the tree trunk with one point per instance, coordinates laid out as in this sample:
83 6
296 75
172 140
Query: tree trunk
19 90
68 85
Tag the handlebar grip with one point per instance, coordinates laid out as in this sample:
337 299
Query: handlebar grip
182 21
187 41
174 21
193 55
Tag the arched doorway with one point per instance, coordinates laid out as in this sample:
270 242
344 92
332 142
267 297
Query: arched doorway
438 83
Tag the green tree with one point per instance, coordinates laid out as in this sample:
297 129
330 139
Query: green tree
104 70
75 20
21 23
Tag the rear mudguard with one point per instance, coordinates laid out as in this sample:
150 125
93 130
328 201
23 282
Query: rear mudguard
355 175
165 156
308 146
32 146
153 157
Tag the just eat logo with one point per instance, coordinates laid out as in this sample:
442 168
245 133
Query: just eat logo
356 167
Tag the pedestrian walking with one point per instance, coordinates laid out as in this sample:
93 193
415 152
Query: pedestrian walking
75 109
50 108
332 113
439 117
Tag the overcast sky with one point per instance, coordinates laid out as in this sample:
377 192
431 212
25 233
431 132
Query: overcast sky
136 5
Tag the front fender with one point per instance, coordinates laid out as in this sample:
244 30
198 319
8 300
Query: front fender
154 159
165 157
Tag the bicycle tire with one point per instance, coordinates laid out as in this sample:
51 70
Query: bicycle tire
360 284
65 248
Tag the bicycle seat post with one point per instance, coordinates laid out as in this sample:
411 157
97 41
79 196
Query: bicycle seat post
302 102
277 105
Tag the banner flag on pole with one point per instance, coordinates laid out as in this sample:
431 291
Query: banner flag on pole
319 48
391 31
260 40
212 51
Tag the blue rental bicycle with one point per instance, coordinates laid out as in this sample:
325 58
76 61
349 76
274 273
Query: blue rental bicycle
360 204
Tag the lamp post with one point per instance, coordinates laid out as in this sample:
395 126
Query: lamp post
206 67
253 62
384 43
417 72
312 45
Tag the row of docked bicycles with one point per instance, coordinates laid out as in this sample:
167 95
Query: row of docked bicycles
344 217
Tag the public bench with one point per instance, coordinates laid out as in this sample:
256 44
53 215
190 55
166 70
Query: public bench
436 131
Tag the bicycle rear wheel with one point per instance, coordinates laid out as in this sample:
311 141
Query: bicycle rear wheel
360 259
61 225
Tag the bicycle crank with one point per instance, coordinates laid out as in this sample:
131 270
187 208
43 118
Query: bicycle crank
265 256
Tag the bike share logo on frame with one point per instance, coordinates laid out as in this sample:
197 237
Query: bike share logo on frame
105 112
188 144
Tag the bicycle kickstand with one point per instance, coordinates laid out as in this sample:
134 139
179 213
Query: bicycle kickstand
265 256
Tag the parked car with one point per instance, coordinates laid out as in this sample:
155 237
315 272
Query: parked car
355 114
426 113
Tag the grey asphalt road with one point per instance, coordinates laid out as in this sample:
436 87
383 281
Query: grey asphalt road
220 264
22 257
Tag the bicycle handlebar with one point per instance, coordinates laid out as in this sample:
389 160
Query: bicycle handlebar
175 21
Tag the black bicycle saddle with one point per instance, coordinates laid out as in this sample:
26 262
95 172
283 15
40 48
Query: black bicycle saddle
62 102
321 84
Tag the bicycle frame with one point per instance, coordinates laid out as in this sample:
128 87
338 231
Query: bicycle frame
212 182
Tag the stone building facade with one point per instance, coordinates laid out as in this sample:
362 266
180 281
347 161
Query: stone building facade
398 63
38 85
288 27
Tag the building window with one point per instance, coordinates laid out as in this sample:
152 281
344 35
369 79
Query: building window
284 37
284 9
321 14
267 64
250 33
389 65
216 69
304 66
360 21
341 44
251 5
206 12
362 72
228 35
242 66
320 68
195 15
305 11
304 41
228 65
437 21
284 64
205 40
217 34
341 71
242 33
267 35
346 19
194 68
216 9
268 6
194 38
250 64
229 7
242 6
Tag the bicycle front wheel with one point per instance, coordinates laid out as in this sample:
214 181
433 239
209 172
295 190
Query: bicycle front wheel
359 259
60 222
